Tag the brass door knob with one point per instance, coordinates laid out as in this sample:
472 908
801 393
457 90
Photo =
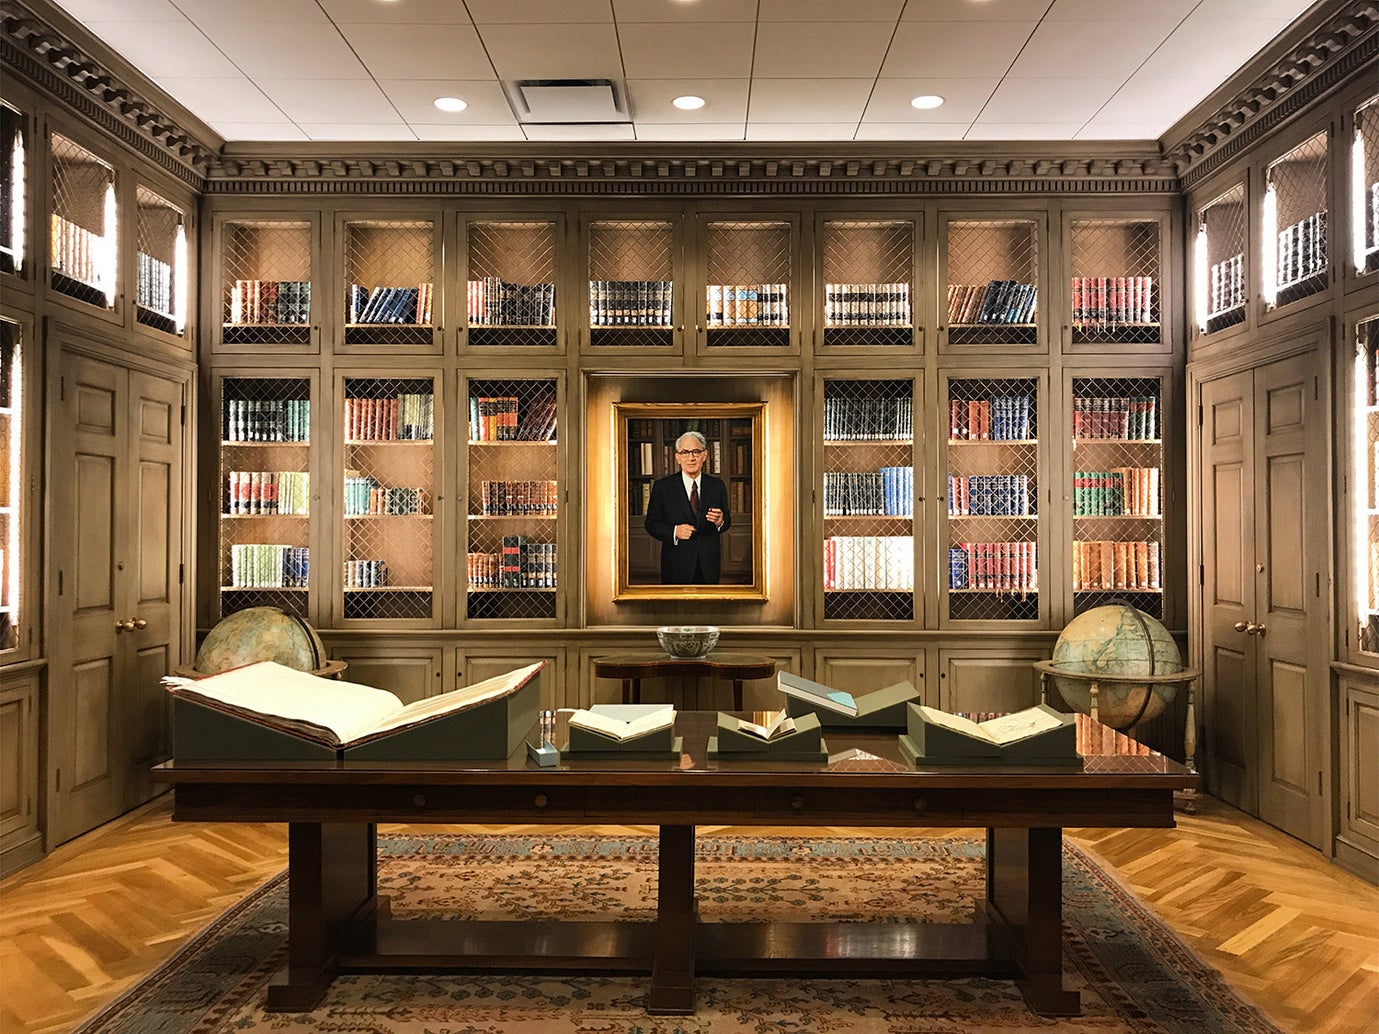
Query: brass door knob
127 625
1242 626
1254 629
140 623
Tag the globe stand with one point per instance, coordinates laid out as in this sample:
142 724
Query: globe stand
1094 680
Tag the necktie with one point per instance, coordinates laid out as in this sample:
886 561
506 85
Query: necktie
694 498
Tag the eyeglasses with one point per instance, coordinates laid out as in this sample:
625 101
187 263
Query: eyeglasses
690 452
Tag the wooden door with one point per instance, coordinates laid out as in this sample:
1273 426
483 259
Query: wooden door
1263 511
116 540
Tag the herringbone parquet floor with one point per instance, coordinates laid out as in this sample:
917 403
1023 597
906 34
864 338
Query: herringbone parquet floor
1291 932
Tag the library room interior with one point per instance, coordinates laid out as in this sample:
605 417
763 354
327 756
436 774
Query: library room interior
689 515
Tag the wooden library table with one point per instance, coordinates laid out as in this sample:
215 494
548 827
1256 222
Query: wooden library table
338 922
633 667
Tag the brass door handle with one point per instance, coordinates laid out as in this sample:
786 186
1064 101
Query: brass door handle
1254 629
140 623
126 625
1242 626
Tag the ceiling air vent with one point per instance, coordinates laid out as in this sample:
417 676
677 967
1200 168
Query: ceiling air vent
567 102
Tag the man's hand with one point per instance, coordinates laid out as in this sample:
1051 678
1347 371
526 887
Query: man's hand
684 531
715 517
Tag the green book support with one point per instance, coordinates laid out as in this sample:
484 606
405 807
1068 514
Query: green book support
806 743
879 709
926 743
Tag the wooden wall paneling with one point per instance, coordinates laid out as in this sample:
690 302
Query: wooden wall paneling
860 669
997 678
1357 841
409 670
20 836
478 662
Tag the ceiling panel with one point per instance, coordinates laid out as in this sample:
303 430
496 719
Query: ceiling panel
963 99
699 131
912 131
331 100
707 50
290 50
258 130
415 101
418 51
115 10
829 10
1035 100
955 49
725 101
1117 10
675 11
967 11
229 99
358 131
397 12
826 100
305 11
535 12
568 51
1145 96
826 50
798 131
1023 131
471 133
1089 50
165 48
618 131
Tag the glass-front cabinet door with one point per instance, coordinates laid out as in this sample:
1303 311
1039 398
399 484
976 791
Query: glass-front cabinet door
161 265
634 279
1295 249
14 609
511 281
1116 301
14 188
389 291
1365 496
1218 259
265 297
82 252
869 277
748 274
389 489
991 269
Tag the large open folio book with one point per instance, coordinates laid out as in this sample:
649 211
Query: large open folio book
623 730
269 712
1035 736
879 709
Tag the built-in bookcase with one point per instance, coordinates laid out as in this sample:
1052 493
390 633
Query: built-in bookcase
632 278
1364 181
1295 245
266 279
869 282
82 229
1117 492
265 493
992 275
388 495
13 190
510 289
1219 262
993 539
389 288
1366 495
512 561
12 498
867 556
747 280
1115 290
161 266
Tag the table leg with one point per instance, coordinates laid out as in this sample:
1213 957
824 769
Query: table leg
737 694
627 691
1024 906
672 971
332 883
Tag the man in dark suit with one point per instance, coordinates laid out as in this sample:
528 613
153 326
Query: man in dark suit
688 512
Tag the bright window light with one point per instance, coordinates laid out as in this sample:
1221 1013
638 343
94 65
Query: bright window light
1201 303
1364 591
105 275
17 229
926 101
689 102
1269 252
1357 200
14 461
179 279
451 104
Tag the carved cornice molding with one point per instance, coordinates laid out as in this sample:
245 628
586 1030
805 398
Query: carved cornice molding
1329 56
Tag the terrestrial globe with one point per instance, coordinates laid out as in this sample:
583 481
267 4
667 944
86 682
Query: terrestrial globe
1116 641
261 634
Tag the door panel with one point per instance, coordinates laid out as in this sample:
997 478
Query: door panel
92 683
1288 751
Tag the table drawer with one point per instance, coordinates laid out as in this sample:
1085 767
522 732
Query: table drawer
843 807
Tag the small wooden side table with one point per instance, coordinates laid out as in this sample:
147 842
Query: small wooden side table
633 667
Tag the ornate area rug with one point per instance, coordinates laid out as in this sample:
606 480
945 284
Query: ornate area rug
1135 975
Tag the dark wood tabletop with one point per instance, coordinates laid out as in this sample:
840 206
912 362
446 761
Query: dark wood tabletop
633 667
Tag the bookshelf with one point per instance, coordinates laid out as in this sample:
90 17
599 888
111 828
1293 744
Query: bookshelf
1364 185
82 256
1115 286
632 277
1295 249
1366 497
13 190
510 286
11 486
867 557
513 500
388 490
160 263
869 283
265 493
747 274
1219 259
266 277
1117 492
993 501
992 275
389 291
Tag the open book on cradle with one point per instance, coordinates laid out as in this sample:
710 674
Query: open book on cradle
269 712
1035 736
836 708
623 731
773 736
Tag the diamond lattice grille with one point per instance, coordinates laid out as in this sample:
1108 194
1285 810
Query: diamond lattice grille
992 272
155 274
511 284
389 484
1117 492
513 498
631 274
265 493
868 556
1367 129
868 282
747 274
82 251
1299 183
1115 288
266 286
993 493
389 296
1225 223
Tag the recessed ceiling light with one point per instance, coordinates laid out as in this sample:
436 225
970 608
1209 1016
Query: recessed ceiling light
928 100
451 104
689 102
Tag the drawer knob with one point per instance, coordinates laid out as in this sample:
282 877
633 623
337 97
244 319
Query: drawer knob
920 804
419 800
541 800
797 801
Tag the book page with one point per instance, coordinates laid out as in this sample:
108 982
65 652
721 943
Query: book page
767 724
295 701
1020 725
422 710
619 729
955 723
